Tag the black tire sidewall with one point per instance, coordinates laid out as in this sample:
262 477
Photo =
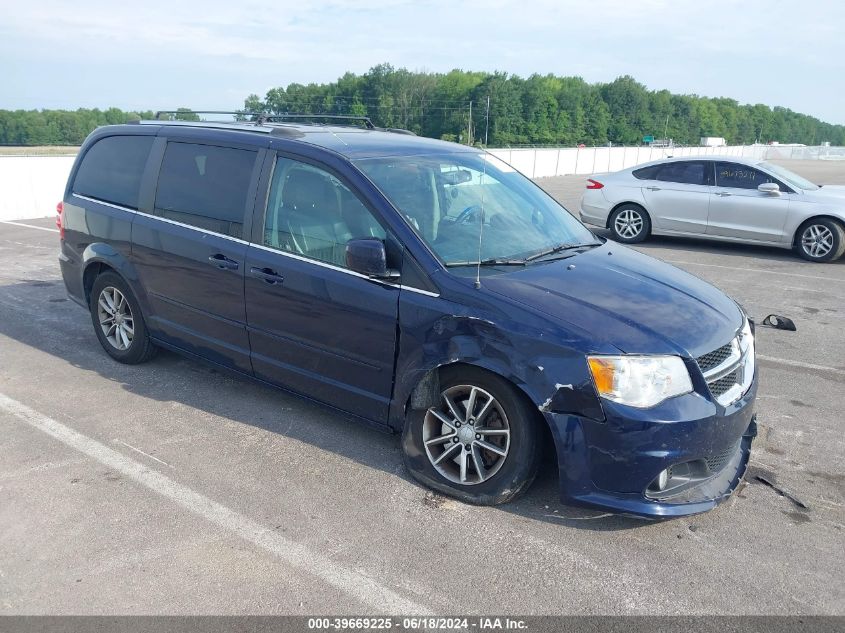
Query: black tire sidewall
838 240
520 466
642 235
139 349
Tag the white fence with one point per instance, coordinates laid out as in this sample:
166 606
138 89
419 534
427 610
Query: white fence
30 186
564 161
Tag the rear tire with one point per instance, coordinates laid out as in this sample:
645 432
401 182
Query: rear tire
481 448
118 322
629 224
820 240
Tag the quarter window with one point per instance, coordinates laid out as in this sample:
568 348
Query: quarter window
312 213
112 168
646 173
205 186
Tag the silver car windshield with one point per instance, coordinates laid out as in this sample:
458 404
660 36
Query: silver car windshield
789 177
441 197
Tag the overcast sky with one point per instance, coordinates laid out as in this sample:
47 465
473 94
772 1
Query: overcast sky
211 54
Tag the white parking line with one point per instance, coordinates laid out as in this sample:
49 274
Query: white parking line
752 270
352 582
798 363
30 226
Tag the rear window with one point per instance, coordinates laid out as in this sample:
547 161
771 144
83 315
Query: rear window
205 186
111 169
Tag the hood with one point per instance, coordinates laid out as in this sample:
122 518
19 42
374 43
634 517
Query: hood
627 300
828 192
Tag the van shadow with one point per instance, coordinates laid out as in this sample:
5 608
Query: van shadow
38 306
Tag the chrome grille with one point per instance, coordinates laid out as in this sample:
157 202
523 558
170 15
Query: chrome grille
714 358
729 369
720 386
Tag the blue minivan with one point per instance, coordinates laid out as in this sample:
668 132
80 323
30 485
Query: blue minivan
425 287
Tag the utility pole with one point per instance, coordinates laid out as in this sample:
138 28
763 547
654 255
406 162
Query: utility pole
487 122
469 125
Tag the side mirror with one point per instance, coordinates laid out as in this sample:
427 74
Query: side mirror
368 257
770 188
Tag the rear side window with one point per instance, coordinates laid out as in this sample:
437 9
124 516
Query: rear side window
684 172
205 186
111 169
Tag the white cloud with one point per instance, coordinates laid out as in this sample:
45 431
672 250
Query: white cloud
757 51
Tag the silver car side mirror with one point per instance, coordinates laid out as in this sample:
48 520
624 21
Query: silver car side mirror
770 188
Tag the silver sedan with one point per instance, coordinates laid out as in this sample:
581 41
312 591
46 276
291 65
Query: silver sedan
727 199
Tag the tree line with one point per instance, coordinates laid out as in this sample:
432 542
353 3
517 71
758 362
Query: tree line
538 110
67 127
542 109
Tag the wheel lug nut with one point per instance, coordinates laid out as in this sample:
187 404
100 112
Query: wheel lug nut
478 436
467 446
455 439
457 425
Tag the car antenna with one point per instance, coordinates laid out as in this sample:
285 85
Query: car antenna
481 212
480 223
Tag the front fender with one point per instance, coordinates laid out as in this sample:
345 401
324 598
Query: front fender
545 364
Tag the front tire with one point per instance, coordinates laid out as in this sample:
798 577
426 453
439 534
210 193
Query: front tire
118 321
479 443
630 224
820 240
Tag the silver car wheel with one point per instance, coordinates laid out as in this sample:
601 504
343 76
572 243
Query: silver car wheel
628 223
467 436
115 317
817 240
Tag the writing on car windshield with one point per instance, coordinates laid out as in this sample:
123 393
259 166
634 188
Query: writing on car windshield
450 198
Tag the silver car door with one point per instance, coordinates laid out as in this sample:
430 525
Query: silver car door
678 197
739 210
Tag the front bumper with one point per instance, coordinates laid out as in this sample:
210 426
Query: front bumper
611 464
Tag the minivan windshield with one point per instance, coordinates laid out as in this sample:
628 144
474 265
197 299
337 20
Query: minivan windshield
442 197
791 178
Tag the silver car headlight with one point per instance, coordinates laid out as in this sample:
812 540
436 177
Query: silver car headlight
639 381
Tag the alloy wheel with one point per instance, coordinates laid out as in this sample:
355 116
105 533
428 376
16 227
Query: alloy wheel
115 317
467 436
628 223
817 240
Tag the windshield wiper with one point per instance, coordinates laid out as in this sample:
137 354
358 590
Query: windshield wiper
560 248
494 261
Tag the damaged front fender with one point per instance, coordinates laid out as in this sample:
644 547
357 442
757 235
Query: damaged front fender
547 365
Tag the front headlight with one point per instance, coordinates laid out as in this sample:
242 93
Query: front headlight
746 337
639 381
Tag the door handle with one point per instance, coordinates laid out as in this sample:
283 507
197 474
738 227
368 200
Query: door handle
222 262
653 188
723 194
269 275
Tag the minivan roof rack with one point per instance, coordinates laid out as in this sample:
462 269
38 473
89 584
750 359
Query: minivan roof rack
262 118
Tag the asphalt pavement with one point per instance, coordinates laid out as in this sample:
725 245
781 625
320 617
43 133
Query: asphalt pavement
173 488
